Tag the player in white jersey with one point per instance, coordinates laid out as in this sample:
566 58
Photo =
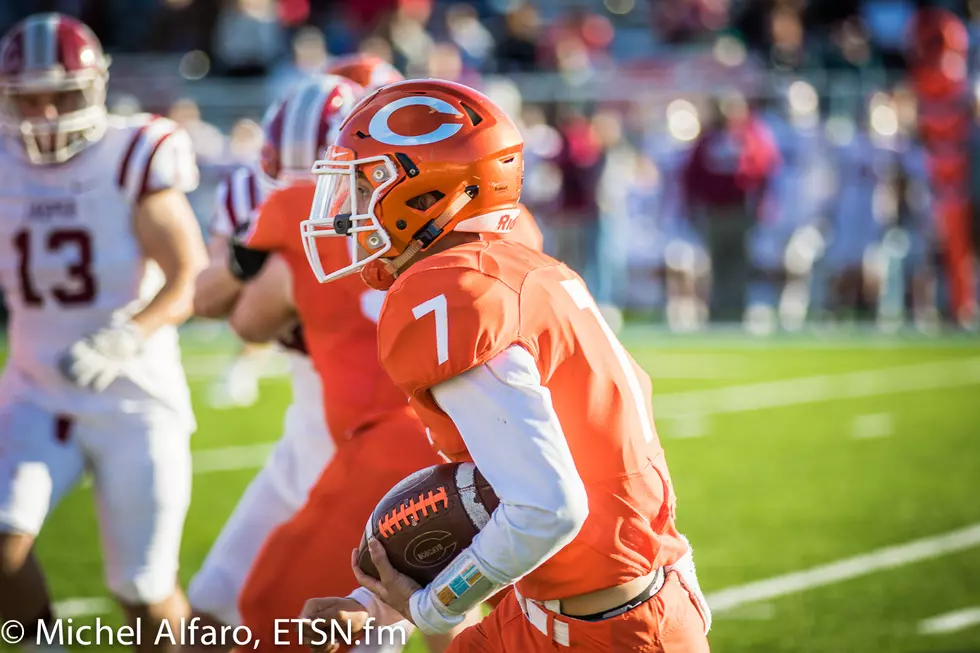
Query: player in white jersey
305 448
99 249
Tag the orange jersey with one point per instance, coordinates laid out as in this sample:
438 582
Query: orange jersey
337 318
458 309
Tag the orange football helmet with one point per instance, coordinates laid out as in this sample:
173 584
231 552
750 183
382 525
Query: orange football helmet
367 70
414 161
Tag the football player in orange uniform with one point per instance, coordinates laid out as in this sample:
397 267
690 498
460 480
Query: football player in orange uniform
378 438
509 364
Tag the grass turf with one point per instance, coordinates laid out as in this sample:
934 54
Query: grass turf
761 492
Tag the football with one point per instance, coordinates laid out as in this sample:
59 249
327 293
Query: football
426 520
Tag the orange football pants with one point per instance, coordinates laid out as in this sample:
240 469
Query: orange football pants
309 555
669 622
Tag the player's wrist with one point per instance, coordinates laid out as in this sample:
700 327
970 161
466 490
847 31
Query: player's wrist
135 330
244 263
445 602
120 339
427 613
366 599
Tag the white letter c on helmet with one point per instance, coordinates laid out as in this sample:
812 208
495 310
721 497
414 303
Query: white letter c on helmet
380 131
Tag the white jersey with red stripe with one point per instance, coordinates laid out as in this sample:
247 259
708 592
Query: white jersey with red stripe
239 196
70 264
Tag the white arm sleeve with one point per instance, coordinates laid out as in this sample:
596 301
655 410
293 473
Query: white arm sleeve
384 614
510 428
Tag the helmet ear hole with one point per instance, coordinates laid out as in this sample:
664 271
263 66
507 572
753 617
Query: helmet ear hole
425 201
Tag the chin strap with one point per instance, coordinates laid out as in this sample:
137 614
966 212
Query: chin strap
438 224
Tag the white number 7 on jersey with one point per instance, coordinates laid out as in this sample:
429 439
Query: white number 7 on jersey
437 305
580 295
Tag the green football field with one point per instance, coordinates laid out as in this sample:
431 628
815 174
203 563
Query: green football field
830 486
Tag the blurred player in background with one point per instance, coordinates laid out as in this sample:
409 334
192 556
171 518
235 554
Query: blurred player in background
98 253
874 167
676 251
784 244
725 180
293 141
509 364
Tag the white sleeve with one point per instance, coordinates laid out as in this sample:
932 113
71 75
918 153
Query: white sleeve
384 614
173 164
236 200
509 426
159 156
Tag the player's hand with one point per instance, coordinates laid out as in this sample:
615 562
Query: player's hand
97 359
394 588
342 610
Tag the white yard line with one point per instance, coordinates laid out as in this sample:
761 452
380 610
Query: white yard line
950 622
82 607
872 426
208 366
225 459
813 389
889 557
696 404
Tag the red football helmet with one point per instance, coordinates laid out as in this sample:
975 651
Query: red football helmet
368 70
299 128
53 76
414 161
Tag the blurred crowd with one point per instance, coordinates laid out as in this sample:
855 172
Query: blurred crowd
759 162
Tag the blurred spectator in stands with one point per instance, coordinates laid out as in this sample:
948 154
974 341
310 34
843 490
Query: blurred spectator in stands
619 166
248 37
245 142
124 105
409 37
786 242
587 33
378 46
309 50
849 48
681 21
724 182
542 175
679 257
517 51
577 218
340 28
788 48
369 14
183 25
882 234
209 142
445 62
888 23
465 30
